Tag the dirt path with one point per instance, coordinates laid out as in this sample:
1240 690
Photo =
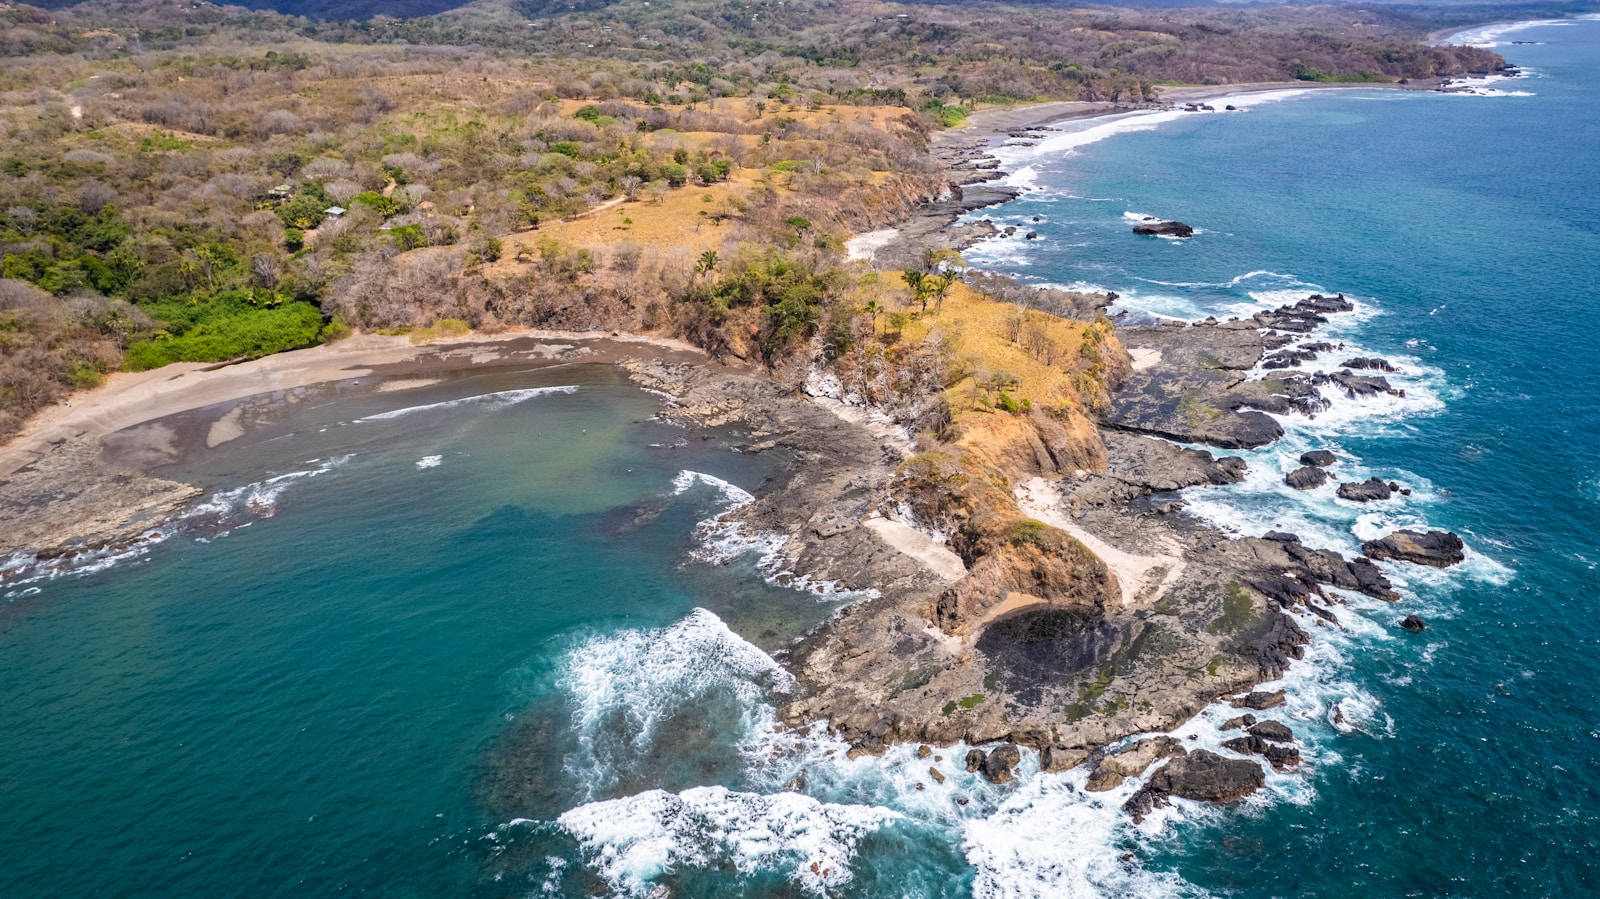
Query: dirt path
1143 578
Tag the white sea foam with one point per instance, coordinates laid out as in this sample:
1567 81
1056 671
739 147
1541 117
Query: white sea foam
215 516
1482 87
722 540
498 400
1489 36
632 841
624 686
429 462
732 494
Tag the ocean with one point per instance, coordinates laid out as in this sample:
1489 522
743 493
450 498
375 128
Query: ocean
485 637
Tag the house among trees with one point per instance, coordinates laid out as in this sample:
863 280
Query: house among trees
281 192
334 212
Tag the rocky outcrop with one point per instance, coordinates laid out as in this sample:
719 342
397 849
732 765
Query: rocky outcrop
1259 700
1163 229
1280 757
1306 478
70 501
1197 389
1297 580
1413 624
1439 549
1276 731
1368 363
1149 462
1130 762
1370 490
1357 386
1201 775
1304 316
1318 458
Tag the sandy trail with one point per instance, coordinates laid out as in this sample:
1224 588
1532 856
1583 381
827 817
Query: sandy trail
131 398
864 246
935 556
1144 357
1143 578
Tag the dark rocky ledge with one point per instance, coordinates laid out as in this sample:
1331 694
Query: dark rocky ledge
1195 384
1163 229
1438 549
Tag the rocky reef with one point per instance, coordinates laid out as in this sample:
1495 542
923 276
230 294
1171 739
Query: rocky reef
1077 608
1163 229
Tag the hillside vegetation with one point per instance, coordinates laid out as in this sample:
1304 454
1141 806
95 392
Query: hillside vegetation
167 169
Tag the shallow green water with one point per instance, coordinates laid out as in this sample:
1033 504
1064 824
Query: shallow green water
331 698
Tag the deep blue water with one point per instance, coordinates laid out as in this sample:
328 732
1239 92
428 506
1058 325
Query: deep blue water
1469 228
470 654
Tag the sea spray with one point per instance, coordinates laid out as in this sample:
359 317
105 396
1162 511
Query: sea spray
625 686
632 841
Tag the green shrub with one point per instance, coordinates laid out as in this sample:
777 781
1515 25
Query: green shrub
382 205
230 333
1028 532
444 328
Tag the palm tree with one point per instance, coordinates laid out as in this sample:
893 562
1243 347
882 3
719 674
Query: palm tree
918 282
707 263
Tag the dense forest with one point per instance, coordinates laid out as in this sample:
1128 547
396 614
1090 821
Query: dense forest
186 182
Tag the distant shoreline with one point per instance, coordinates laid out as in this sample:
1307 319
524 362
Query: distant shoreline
999 121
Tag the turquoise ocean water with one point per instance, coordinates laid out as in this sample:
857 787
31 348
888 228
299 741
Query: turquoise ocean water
466 649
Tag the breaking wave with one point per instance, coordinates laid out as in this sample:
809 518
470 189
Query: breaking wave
634 840
498 400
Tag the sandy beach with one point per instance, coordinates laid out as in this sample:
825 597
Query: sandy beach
1000 121
131 398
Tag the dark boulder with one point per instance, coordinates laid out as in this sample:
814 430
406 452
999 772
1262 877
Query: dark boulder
1276 731
1280 756
975 759
1439 549
1318 458
1368 363
997 767
1259 700
1163 229
1371 581
1413 624
1306 478
1365 492
1202 776
1245 720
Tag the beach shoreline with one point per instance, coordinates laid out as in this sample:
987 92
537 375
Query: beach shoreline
63 493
